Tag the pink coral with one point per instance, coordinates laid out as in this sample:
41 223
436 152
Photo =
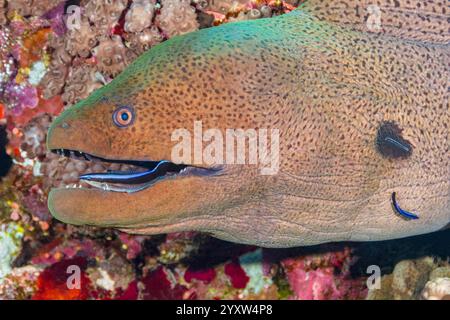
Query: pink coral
68 249
133 244
323 276
21 97
51 106
36 203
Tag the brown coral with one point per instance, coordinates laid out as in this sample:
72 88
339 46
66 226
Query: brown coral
222 6
81 82
53 81
42 6
112 55
140 42
177 17
31 7
80 41
2 12
22 7
105 13
139 16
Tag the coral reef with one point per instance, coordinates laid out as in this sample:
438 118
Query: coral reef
422 278
437 289
20 284
10 244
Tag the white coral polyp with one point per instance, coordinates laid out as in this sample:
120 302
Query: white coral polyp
437 289
177 17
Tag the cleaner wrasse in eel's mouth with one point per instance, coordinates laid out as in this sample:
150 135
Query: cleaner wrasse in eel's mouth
363 117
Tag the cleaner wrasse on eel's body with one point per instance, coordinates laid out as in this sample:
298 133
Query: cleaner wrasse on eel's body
363 119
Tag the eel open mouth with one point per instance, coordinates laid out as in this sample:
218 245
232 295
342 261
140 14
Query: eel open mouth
142 174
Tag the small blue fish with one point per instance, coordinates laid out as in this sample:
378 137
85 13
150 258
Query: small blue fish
403 213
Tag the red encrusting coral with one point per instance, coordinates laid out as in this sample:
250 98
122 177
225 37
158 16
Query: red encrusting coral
52 282
236 274
157 286
130 293
206 275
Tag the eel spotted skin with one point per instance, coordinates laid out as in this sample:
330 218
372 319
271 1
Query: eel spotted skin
336 91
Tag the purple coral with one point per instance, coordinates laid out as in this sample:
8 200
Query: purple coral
20 97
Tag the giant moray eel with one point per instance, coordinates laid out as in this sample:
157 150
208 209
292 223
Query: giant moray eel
362 114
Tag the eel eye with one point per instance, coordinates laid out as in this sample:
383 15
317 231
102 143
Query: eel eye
123 116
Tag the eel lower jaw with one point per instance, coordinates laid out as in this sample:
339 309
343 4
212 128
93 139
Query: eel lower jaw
144 173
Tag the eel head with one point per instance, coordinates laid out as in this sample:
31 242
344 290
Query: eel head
136 121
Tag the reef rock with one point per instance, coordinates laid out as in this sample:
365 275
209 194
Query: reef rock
414 280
